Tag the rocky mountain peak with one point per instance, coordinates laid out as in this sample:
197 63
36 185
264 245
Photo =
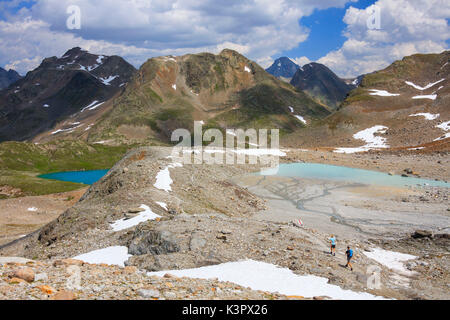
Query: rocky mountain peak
283 67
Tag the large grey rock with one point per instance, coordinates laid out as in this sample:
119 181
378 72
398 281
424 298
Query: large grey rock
418 234
154 242
197 242
148 293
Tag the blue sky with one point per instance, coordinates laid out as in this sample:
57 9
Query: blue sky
332 32
326 31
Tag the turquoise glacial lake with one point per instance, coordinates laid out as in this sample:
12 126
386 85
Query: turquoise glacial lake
85 177
330 172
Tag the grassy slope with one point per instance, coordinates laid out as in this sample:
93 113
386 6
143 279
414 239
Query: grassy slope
21 163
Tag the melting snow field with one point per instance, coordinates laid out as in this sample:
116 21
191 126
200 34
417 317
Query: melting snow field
428 86
112 255
301 119
163 179
430 96
124 223
392 260
382 93
446 127
66 130
107 81
162 205
427 116
372 141
92 106
268 277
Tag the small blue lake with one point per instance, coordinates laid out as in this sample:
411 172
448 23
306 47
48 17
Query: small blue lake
85 177
330 172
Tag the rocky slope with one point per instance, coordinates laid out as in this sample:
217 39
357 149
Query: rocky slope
283 68
60 89
8 77
404 106
225 91
322 84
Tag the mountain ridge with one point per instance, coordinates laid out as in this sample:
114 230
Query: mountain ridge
57 89
8 77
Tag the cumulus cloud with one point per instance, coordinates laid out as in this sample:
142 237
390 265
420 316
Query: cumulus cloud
139 29
301 61
407 27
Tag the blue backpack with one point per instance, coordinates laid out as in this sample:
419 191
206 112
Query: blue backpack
350 253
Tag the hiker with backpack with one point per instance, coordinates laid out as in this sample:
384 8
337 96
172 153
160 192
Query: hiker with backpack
349 254
333 245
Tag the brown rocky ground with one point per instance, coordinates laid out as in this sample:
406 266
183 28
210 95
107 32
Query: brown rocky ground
21 216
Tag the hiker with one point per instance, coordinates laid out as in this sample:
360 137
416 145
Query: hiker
333 245
349 254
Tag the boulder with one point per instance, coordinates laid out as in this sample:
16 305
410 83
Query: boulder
26 274
197 242
419 234
149 293
154 242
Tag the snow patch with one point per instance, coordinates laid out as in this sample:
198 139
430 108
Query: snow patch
174 87
271 278
100 59
107 81
162 205
430 96
383 93
46 106
301 119
291 109
446 127
372 141
124 223
116 255
163 180
247 69
92 106
428 86
427 116
391 259
66 130
33 209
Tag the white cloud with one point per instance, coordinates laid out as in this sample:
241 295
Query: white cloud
407 27
139 29
301 61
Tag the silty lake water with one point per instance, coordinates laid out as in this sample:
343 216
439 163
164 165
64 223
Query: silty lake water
330 172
